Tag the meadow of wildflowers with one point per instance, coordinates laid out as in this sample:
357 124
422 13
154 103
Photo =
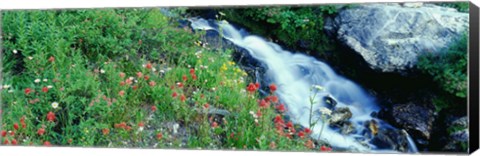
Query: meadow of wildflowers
131 78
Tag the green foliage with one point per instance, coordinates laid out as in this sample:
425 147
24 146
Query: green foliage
291 25
448 68
460 6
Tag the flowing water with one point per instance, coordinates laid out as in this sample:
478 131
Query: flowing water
294 75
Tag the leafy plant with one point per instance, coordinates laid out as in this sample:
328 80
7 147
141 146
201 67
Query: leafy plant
449 67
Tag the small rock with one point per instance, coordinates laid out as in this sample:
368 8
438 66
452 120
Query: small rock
340 116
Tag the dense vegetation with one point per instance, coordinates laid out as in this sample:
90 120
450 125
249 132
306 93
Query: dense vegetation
131 78
296 27
449 67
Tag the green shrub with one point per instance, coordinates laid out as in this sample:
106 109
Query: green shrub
290 25
449 68
460 6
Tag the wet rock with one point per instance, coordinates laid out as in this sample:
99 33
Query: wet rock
390 37
348 128
340 115
461 122
391 139
330 101
417 119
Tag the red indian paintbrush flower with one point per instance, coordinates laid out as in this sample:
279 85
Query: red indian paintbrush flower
148 66
325 148
174 94
214 124
289 124
6 142
146 77
3 133
122 74
41 131
105 131
263 104
15 126
192 71
194 77
259 113
12 133
152 83
51 116
121 93
182 98
281 108
184 77
180 84
141 124
28 91
14 142
47 143
45 89
301 134
206 106
51 59
251 88
309 144
307 130
153 108
273 87
139 74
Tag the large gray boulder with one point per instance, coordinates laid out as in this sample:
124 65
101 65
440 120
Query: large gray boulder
391 36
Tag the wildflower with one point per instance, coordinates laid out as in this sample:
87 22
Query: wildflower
6 86
194 77
152 83
51 116
182 98
141 124
257 85
15 126
251 88
122 83
159 136
184 78
174 94
3 133
290 124
148 66
272 145
41 131
301 134
129 81
325 111
192 71
49 86
307 130
122 74
54 105
5 142
105 131
45 80
263 104
102 71
15 51
51 59
14 142
309 144
47 143
37 81
28 91
214 124
325 148
121 93
273 87
45 89
179 84
146 77
281 108
259 113
139 74
12 133
70 141
274 99
30 58
206 105
134 87
153 108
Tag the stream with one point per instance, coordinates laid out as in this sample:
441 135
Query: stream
301 78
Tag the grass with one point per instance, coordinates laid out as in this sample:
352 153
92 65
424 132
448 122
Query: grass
130 78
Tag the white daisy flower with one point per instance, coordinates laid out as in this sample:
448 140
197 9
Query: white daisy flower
10 91
37 81
102 71
6 86
162 71
55 105
30 58
45 80
49 86
15 51
325 111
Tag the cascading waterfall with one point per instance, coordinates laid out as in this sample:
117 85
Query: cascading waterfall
294 75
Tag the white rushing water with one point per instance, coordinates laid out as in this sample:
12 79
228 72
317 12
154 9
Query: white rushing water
294 75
